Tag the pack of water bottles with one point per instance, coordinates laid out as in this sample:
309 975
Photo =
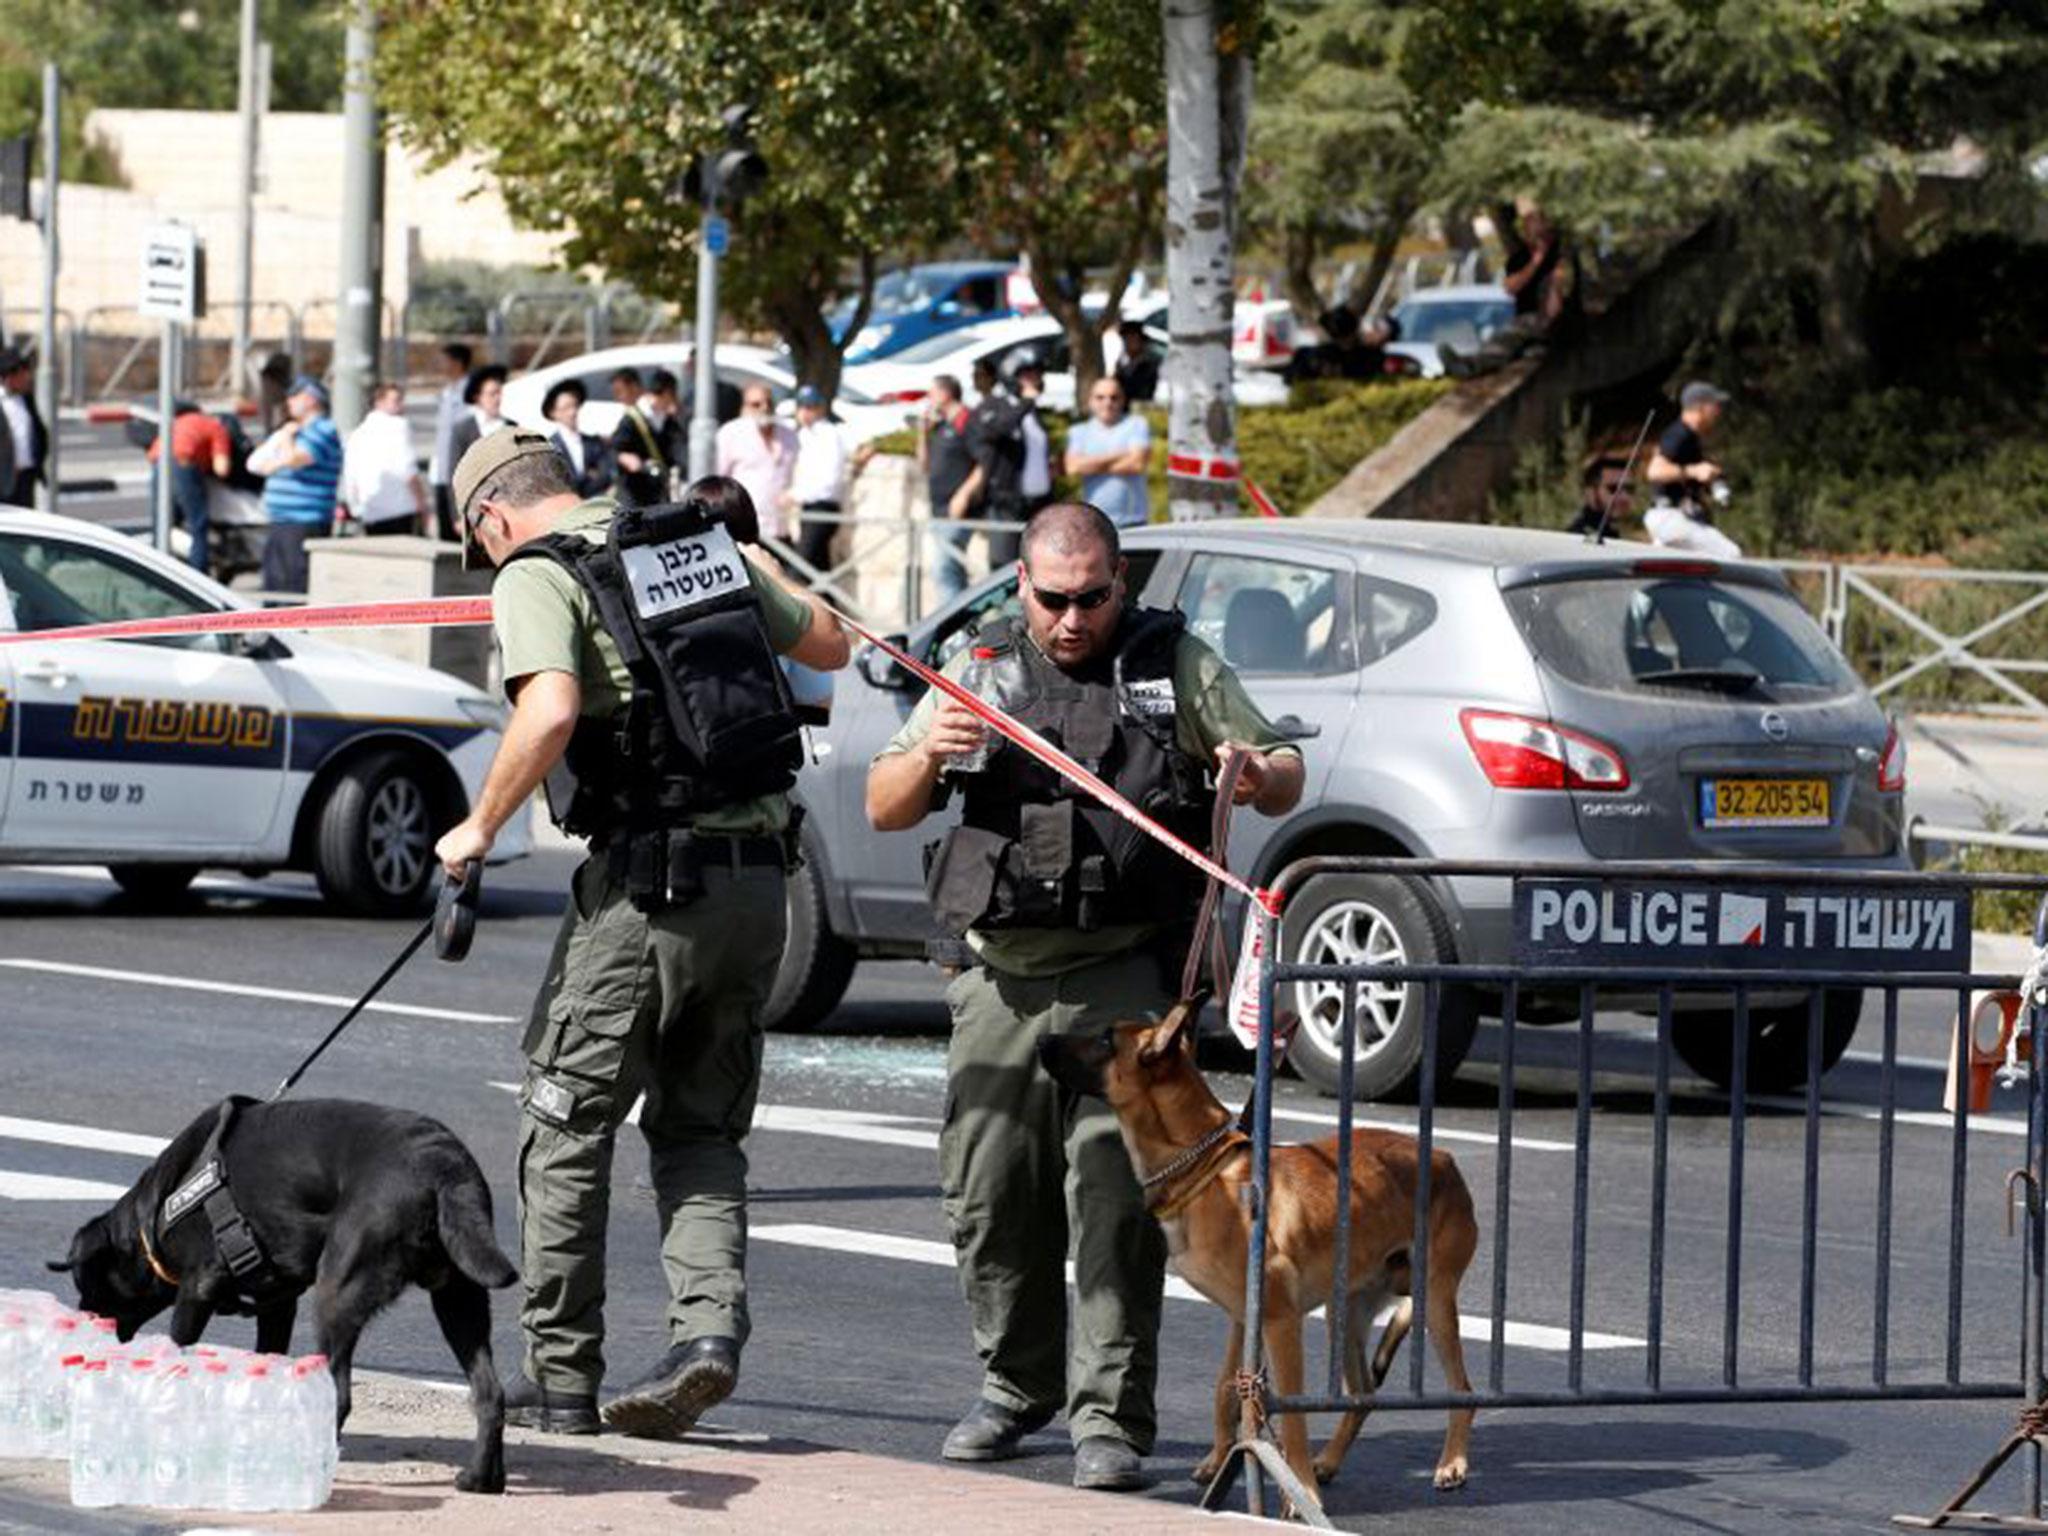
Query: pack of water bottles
147 1423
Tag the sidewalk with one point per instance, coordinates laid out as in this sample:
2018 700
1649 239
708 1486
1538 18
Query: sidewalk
405 1440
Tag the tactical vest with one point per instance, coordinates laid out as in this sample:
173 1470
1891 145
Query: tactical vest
709 722
1034 850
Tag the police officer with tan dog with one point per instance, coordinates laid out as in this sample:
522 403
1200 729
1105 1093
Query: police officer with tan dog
1072 920
640 654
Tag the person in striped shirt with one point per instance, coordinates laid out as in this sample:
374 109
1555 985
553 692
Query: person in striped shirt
301 466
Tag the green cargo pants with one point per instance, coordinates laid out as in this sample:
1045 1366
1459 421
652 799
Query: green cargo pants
1027 1168
669 1006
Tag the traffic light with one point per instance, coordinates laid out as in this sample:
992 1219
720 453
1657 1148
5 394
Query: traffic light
14 163
727 177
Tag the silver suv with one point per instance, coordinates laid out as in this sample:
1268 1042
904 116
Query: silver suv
1464 692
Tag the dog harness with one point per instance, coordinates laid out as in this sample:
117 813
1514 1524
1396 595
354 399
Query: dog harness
206 1189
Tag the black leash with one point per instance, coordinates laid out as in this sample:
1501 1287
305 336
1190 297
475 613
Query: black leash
452 927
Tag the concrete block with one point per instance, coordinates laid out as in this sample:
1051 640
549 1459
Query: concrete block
404 569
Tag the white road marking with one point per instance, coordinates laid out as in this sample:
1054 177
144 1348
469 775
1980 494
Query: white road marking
915 1250
45 1186
57 1134
1935 1119
841 1124
1437 1132
237 989
229 884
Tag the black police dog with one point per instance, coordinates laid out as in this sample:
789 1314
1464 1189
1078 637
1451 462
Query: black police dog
351 1201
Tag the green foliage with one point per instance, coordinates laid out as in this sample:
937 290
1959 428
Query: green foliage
588 123
146 54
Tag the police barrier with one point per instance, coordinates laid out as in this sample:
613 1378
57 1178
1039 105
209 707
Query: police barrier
1663 938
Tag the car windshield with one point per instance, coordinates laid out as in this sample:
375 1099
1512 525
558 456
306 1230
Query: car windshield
932 348
896 293
1453 320
1658 637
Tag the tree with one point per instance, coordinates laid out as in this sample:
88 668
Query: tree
1339 151
1071 151
588 123
142 53
1794 123
1203 145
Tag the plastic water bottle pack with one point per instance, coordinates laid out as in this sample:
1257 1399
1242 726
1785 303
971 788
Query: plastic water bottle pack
145 1423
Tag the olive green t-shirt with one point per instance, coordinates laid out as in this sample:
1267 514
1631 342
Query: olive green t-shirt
1211 707
546 622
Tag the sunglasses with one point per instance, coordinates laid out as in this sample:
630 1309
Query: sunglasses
1059 602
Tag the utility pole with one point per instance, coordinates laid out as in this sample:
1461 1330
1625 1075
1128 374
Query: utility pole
357 325
1201 466
245 203
46 349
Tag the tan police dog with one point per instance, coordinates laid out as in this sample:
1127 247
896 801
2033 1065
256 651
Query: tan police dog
1195 1165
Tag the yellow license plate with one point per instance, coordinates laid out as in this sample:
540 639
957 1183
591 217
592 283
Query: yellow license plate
1764 803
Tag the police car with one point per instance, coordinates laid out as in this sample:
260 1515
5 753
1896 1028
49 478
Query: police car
256 751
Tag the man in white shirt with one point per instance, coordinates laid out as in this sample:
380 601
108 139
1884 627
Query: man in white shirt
455 361
760 452
21 466
818 485
380 478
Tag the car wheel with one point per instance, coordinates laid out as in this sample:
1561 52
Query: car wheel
374 852
154 885
817 964
1777 1041
1372 920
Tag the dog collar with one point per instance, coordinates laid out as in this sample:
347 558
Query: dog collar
156 1264
1164 1205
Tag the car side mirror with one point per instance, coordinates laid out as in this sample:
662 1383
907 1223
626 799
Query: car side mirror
883 670
1294 728
949 309
251 646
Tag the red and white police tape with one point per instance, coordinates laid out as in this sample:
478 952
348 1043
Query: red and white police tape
477 610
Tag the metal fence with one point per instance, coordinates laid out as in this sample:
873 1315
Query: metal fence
1755 1359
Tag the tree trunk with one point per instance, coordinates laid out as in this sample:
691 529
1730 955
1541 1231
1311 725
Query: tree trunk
1202 469
799 318
1298 246
1383 251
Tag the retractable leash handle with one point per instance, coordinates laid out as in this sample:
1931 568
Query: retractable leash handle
451 928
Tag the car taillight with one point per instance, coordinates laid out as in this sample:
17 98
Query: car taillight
902 396
1517 752
1891 766
1401 367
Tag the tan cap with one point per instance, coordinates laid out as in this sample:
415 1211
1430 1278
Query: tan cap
488 455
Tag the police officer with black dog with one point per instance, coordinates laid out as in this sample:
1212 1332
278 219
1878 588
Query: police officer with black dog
1073 920
640 653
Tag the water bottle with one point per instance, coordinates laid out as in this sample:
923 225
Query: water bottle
314 1433
252 1437
19 1355
207 1416
976 680
169 1425
95 1427
135 1385
58 1354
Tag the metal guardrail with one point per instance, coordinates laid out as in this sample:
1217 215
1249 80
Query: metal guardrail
1803 1371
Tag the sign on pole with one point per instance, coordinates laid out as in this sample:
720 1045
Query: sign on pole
717 235
173 273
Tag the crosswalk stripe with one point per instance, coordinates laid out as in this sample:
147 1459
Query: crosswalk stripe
46 1186
1437 1132
57 1134
914 1250
238 989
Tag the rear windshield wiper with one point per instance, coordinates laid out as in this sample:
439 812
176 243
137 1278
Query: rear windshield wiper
1719 679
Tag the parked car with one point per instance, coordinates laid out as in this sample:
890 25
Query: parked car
904 379
256 751
1459 315
913 303
1469 692
737 367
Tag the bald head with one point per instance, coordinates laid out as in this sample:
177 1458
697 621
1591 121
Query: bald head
1072 528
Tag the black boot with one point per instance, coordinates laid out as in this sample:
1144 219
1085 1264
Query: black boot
1105 1463
666 1403
990 1432
559 1413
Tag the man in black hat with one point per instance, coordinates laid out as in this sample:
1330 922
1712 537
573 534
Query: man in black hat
1685 483
25 442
